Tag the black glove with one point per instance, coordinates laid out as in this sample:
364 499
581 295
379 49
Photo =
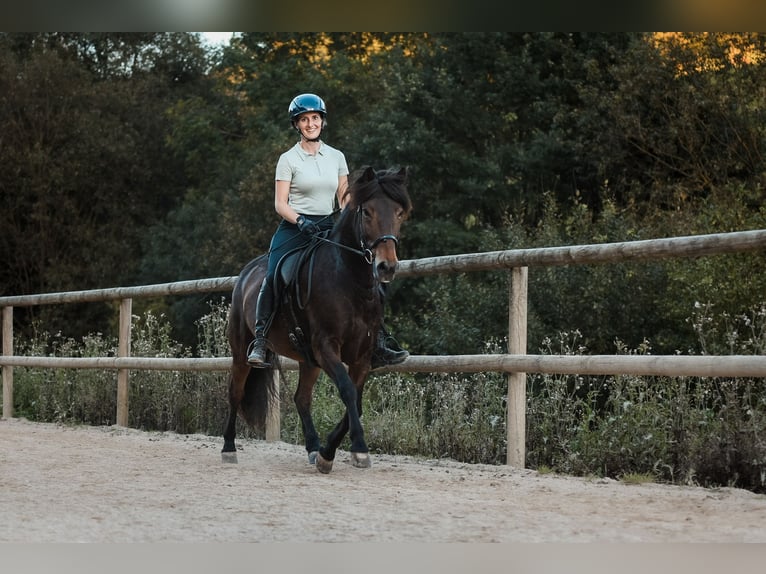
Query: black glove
307 227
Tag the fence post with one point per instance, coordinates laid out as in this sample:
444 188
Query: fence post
7 369
273 415
123 350
517 382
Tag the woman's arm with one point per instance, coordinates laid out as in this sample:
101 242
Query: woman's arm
342 187
281 195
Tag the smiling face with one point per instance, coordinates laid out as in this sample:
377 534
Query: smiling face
309 124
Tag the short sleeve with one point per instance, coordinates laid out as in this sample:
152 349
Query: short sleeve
284 170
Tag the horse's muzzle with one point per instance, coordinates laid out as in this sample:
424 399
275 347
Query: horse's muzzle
385 270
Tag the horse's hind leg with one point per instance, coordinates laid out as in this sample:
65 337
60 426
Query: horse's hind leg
237 379
303 394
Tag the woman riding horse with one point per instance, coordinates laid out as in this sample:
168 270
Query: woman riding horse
327 320
309 177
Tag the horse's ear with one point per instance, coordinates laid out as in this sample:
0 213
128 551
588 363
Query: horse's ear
402 173
368 174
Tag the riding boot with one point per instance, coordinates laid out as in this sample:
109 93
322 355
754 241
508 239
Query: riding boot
263 310
387 350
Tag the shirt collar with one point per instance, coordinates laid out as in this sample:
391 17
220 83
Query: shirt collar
304 154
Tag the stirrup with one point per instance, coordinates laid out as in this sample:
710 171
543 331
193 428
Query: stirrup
388 354
256 353
389 343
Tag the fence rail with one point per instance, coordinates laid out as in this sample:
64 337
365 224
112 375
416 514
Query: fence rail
643 365
216 284
516 363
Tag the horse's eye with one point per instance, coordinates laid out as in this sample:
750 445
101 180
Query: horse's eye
366 213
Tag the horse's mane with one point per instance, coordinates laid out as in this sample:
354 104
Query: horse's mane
367 182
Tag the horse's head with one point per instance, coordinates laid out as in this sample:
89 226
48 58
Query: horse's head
381 204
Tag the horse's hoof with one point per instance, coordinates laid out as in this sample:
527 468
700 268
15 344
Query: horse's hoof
229 457
361 460
323 466
313 457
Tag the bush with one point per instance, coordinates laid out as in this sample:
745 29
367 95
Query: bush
440 415
686 430
62 395
185 402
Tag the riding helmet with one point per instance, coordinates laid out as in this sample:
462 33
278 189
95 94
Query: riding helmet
306 103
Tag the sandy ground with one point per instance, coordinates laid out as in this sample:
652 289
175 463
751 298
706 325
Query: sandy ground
111 484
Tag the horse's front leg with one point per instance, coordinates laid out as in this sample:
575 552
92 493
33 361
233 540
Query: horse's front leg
303 395
358 374
350 423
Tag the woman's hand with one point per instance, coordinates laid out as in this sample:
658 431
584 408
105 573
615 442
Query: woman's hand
307 227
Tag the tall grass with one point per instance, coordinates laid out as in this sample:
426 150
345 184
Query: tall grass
185 402
685 430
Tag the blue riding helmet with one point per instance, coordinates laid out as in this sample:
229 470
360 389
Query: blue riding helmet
307 103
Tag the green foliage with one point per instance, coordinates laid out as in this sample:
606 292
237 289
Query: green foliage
185 402
60 395
625 301
327 409
636 478
456 314
85 171
453 313
687 430
438 416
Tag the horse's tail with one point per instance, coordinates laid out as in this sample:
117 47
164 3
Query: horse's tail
261 391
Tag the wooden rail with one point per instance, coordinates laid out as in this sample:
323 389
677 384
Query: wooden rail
516 363
645 250
644 365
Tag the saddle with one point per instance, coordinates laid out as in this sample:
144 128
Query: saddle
288 293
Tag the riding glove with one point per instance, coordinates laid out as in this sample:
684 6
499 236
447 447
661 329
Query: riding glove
307 227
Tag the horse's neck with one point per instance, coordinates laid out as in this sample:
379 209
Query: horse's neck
350 259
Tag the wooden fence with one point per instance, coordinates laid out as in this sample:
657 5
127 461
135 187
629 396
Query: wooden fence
516 363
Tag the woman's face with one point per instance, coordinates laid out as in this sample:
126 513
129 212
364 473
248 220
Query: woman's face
309 124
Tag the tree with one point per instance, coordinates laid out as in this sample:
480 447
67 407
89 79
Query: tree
85 168
687 117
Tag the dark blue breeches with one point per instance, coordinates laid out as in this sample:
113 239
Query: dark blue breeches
287 237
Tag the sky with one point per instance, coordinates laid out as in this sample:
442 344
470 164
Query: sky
216 38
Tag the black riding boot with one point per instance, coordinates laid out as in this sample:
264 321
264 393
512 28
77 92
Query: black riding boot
387 350
263 309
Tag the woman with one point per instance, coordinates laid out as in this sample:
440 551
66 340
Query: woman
309 177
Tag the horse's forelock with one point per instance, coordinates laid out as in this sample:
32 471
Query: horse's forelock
394 184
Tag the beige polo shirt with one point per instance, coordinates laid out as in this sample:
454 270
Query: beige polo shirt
313 178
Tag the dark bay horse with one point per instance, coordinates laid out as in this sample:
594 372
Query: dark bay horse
328 322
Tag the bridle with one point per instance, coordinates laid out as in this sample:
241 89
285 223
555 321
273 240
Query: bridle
367 249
